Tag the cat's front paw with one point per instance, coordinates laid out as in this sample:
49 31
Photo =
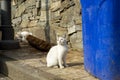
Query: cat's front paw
61 67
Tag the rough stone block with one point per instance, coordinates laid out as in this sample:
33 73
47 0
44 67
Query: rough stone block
16 20
55 6
56 13
33 23
35 11
76 40
73 29
26 16
38 4
29 3
20 10
55 24
24 24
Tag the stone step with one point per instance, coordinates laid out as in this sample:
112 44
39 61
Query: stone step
2 77
17 71
27 63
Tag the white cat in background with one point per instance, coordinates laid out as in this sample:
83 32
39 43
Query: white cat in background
22 35
57 54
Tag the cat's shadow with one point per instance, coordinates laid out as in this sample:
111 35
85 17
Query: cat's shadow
75 64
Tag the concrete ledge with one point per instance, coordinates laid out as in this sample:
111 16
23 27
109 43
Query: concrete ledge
17 71
9 44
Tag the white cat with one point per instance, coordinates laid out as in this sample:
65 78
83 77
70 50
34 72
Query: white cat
57 54
21 36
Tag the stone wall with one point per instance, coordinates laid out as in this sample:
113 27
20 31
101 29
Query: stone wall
48 18
30 15
66 18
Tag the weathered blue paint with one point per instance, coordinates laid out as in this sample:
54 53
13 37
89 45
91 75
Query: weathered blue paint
101 38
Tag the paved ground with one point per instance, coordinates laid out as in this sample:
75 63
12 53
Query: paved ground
36 59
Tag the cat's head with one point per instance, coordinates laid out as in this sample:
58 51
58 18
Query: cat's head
61 40
21 36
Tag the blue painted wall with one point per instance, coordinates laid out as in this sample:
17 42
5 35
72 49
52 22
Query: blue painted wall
101 38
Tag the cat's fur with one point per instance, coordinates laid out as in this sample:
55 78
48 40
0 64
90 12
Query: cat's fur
57 54
21 36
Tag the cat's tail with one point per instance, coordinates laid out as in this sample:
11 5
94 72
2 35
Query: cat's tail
39 43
